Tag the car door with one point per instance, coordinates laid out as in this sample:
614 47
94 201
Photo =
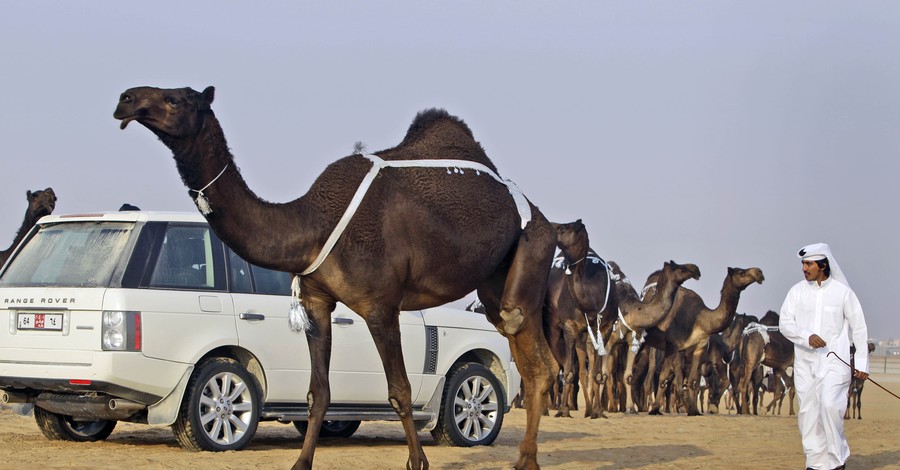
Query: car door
357 374
261 305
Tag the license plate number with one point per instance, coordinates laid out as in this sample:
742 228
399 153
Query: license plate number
40 321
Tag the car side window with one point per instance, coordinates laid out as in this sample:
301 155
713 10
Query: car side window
267 281
239 274
185 259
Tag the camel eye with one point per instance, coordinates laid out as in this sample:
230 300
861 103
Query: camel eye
171 101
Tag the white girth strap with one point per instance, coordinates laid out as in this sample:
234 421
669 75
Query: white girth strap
297 318
377 164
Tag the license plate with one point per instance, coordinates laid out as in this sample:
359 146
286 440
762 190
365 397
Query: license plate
40 321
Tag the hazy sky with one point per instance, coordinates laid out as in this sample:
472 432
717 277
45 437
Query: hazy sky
713 132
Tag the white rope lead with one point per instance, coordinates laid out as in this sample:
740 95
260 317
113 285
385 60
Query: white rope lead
200 200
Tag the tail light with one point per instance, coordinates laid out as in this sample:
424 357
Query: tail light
121 331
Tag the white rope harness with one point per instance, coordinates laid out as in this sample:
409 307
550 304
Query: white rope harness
647 289
635 341
297 317
200 200
763 330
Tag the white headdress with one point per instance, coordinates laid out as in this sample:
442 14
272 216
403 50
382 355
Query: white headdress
818 251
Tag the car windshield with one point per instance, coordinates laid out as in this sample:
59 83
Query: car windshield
75 254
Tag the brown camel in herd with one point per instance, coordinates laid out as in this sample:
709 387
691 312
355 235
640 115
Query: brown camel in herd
636 315
40 203
580 302
762 344
691 324
420 238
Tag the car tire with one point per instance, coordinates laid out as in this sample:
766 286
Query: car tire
472 407
220 409
330 428
58 427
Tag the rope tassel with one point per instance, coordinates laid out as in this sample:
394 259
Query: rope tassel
298 319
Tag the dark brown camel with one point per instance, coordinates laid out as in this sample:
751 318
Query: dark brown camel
580 302
721 355
762 344
40 203
636 315
420 238
691 325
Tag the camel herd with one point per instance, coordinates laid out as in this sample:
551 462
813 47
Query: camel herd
662 348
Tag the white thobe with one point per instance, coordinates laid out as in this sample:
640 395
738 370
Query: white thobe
832 311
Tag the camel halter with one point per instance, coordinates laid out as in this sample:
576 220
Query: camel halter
297 317
200 200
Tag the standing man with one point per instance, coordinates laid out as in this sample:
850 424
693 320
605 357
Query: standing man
820 315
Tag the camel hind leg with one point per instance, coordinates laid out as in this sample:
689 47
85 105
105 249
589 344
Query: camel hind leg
520 320
385 328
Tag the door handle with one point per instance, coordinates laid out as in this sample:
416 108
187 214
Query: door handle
342 321
252 316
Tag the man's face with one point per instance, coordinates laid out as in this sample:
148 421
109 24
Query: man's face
812 271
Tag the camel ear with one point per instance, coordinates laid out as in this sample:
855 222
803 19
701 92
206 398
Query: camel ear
730 271
206 98
28 194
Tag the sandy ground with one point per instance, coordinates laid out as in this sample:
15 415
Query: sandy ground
621 441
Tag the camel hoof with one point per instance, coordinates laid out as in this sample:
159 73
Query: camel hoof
655 412
512 320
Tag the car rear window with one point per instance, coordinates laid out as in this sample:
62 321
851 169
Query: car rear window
75 254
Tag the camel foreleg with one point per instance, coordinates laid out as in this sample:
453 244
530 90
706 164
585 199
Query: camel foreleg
666 377
692 390
318 336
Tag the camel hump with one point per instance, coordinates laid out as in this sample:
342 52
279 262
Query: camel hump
436 134
436 120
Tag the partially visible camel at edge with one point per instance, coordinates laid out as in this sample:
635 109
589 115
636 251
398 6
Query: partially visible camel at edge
691 325
40 203
580 300
636 314
761 347
854 394
420 238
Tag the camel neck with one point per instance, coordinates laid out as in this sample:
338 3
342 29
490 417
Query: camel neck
721 317
237 215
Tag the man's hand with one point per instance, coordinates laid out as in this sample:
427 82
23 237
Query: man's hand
816 342
860 374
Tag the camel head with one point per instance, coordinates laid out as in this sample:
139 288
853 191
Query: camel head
741 278
572 240
175 112
681 272
41 202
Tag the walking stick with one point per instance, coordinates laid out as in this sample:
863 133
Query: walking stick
867 378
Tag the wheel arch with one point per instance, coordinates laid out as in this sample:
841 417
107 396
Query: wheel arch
488 359
166 410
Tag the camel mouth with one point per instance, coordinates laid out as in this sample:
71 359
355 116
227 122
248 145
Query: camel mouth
125 121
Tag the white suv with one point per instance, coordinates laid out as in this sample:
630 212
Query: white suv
148 317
